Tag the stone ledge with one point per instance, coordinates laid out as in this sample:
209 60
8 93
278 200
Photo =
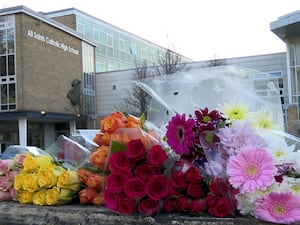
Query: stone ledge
12 213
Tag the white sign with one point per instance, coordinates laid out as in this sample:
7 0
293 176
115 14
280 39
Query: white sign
50 41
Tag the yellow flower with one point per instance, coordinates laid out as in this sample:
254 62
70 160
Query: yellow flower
30 182
25 197
263 119
52 196
69 179
66 195
39 197
47 177
18 181
45 161
235 112
30 164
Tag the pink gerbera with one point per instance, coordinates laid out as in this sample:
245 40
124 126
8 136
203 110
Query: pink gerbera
282 208
180 134
251 169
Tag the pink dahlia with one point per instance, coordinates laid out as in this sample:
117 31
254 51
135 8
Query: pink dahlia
282 208
180 134
253 168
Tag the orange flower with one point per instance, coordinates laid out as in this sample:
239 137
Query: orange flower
84 174
98 157
102 139
134 122
96 181
99 199
114 121
87 195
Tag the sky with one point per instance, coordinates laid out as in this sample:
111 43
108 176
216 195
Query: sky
197 29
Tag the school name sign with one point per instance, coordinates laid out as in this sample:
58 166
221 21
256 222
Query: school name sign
52 42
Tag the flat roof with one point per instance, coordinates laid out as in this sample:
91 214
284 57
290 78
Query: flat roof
287 25
41 17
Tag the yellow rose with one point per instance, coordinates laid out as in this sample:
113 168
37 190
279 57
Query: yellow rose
25 197
30 164
66 195
45 161
46 177
30 182
52 196
69 179
39 197
18 181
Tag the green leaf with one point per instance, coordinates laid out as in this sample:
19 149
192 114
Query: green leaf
117 146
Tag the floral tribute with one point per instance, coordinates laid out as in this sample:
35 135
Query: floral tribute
42 181
249 167
137 182
116 130
9 168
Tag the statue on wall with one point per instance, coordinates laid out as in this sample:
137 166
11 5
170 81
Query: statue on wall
74 94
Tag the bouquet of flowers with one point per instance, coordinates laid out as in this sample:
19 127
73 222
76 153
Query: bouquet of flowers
42 181
137 180
115 130
235 137
9 168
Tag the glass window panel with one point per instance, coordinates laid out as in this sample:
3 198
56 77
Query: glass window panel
11 65
3 66
109 40
122 45
103 50
4 99
2 42
109 51
10 40
297 54
2 22
12 93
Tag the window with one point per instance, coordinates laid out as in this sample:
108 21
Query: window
133 49
96 35
122 45
143 53
109 39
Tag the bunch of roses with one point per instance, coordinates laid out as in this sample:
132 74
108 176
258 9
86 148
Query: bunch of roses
137 182
188 189
42 181
94 177
9 168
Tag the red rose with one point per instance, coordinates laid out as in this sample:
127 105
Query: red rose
135 150
111 200
148 206
157 156
197 206
178 180
157 187
125 205
195 190
174 192
144 171
211 200
169 205
115 181
134 188
219 187
119 161
193 175
222 208
182 204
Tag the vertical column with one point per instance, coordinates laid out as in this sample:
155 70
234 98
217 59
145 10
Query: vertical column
72 125
23 131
